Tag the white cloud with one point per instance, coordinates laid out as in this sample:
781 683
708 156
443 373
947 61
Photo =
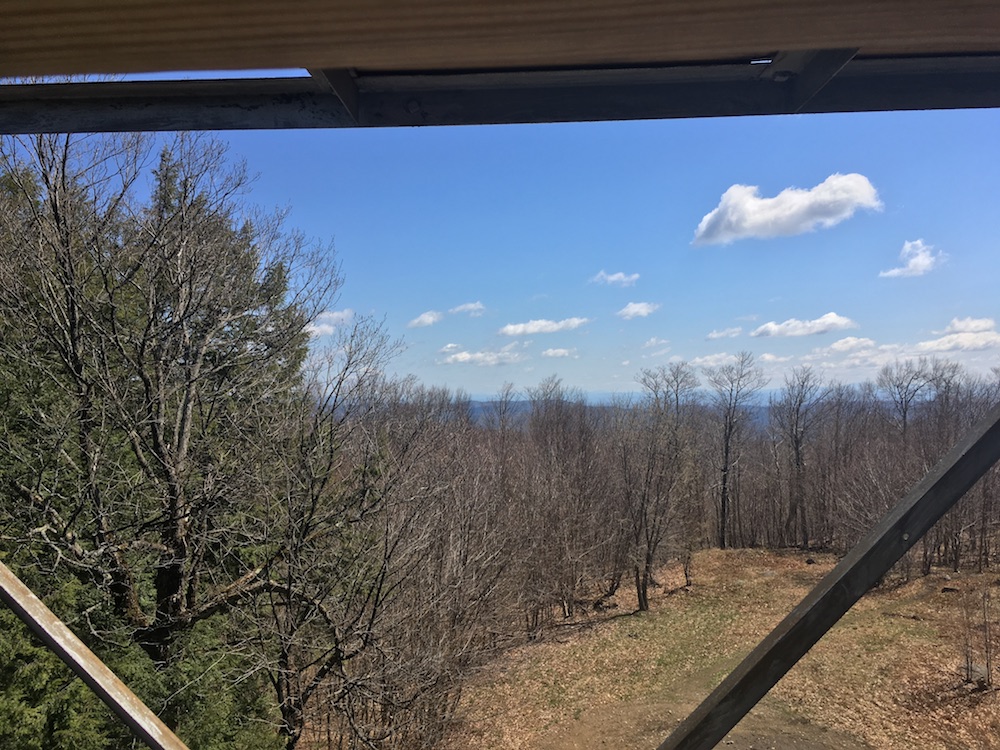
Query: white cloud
662 347
557 353
475 309
448 348
725 333
852 353
773 358
658 353
483 359
970 325
917 258
851 343
974 342
637 310
965 342
655 342
616 279
742 213
428 318
328 322
542 326
795 327
857 364
965 335
714 360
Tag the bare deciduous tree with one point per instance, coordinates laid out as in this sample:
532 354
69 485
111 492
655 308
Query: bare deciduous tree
794 414
732 389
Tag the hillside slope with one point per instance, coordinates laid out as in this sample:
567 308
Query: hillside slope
890 675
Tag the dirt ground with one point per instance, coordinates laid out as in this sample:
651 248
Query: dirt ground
889 675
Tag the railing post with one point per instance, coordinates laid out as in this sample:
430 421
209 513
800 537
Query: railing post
109 688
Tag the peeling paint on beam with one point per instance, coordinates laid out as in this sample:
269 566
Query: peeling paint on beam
233 104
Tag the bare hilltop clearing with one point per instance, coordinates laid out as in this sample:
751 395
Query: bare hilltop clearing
892 674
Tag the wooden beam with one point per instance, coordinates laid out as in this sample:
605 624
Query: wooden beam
721 89
871 559
341 83
237 104
881 84
806 72
61 640
814 81
64 37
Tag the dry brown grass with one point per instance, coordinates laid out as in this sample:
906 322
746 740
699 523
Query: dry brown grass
888 676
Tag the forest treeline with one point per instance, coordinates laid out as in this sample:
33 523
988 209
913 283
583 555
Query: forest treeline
278 545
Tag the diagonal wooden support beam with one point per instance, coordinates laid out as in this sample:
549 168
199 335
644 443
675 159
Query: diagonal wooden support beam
804 73
53 633
822 67
897 532
341 83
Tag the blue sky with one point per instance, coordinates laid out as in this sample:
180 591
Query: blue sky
483 247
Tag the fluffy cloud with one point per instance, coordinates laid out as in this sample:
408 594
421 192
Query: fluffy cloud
773 358
849 348
714 360
795 327
558 353
917 258
961 342
742 213
964 335
725 333
970 325
662 347
475 309
542 326
483 359
616 279
850 343
428 318
449 348
328 322
637 310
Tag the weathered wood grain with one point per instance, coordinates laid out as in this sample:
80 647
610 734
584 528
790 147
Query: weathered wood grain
53 37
